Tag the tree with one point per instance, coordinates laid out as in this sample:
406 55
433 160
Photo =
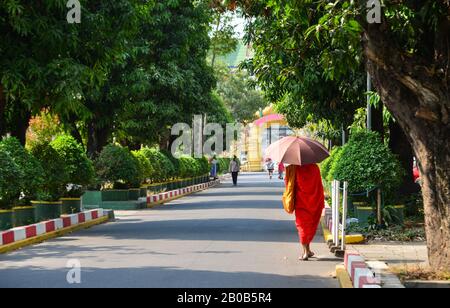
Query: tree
407 55
35 69
237 93
294 76
169 80
222 32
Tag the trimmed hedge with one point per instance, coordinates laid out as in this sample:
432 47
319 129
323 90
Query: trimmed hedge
54 172
31 172
116 166
326 167
79 167
366 163
10 175
224 165
62 169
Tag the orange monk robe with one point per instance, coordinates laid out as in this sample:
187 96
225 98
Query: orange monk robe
309 201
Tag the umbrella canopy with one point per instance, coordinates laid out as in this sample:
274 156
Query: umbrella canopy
297 151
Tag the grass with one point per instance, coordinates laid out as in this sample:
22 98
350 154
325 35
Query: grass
417 272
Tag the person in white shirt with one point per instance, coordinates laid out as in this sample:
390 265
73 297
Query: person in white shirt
235 168
270 165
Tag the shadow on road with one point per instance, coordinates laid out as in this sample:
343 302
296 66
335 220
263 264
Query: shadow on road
156 277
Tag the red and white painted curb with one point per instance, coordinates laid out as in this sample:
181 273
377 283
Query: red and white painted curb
65 221
174 194
361 275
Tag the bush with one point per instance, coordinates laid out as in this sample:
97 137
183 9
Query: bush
171 163
117 166
163 168
224 165
31 175
145 167
10 175
79 167
54 172
327 165
204 166
188 167
366 163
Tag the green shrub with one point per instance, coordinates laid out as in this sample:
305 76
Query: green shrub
79 167
10 175
117 166
204 166
188 167
171 164
31 177
327 165
224 165
145 167
54 172
366 163
163 168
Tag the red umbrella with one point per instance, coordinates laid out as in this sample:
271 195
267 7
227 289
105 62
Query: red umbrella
297 151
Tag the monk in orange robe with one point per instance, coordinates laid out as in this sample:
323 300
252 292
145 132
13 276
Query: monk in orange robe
309 202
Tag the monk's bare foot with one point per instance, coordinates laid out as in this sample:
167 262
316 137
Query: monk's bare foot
311 254
305 257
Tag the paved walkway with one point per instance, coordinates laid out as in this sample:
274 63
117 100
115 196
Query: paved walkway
395 254
222 237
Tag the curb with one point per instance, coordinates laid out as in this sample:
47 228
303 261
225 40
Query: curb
349 239
17 238
356 273
327 225
342 276
161 198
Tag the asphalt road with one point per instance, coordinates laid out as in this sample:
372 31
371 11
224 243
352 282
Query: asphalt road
223 237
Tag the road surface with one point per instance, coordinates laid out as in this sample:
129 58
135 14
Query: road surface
223 237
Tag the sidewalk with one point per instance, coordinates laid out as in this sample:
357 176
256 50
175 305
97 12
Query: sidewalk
383 257
394 253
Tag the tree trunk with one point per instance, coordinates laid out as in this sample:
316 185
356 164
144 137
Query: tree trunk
20 125
399 145
377 120
97 138
70 123
418 98
2 112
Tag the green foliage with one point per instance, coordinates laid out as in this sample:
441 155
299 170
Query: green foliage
54 172
366 163
392 233
116 165
189 167
166 79
162 167
224 165
293 69
238 95
79 167
204 166
145 167
10 184
31 175
223 35
327 165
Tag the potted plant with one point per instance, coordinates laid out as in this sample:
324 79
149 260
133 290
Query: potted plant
79 169
10 175
119 171
55 174
30 179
